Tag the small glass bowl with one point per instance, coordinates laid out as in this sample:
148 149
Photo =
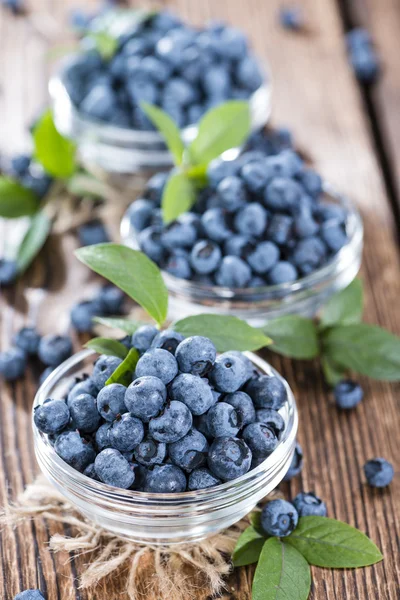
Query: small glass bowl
161 518
258 305
119 154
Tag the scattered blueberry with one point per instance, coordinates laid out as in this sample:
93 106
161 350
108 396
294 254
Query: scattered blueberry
296 465
279 518
291 18
52 416
54 349
27 339
362 55
92 233
12 364
111 299
82 315
378 472
308 504
348 394
8 272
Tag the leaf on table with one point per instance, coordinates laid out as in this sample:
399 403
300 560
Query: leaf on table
178 197
224 127
326 542
33 240
127 325
344 308
107 346
56 153
15 200
226 332
248 547
282 573
123 373
167 128
366 349
293 336
255 520
133 272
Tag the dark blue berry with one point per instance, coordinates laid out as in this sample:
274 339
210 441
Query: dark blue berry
233 272
229 458
149 452
282 272
291 18
201 478
150 243
110 401
74 450
178 234
279 518
272 419
145 397
231 193
173 423
157 363
244 407
90 471
251 220
8 272
86 386
193 391
168 339
378 472
311 182
348 394
263 257
334 235
296 465
155 187
205 257
84 413
248 74
12 364
222 420
52 416
178 264
54 349
260 438
229 373
143 337
196 355
82 315
309 254
190 451
255 175
267 391
30 595
111 299
165 479
103 369
126 433
27 339
92 233
215 224
140 213
101 437
238 245
308 504
113 469
218 169
280 229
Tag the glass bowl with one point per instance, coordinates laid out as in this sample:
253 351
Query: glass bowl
119 154
258 305
161 518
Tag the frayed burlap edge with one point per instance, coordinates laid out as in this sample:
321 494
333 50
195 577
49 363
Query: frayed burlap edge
168 573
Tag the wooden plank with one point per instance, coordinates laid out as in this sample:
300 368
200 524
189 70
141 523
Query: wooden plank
315 94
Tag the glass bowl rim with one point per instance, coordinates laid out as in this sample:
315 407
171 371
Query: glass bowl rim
132 496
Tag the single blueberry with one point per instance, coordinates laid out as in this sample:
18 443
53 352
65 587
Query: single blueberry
100 102
229 373
90 471
365 63
267 391
248 74
190 451
223 420
52 416
244 407
200 479
193 391
348 394
145 397
74 450
101 437
229 458
311 182
54 349
263 257
260 438
379 472
272 419
157 363
12 364
304 223
168 339
178 264
92 233
111 299
216 82
251 220
155 187
104 367
30 595
279 229
19 165
231 193
173 423
27 339
215 224
196 355
113 469
334 235
255 176
82 315
8 271
233 272
309 254
296 465
149 452
282 272
84 413
86 386
178 234
308 504
279 518
291 18
165 479
232 43
140 213
110 401
150 243
143 337
218 169
157 70
126 433
205 257
238 245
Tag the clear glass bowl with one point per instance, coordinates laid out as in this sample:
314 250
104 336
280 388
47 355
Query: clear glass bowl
119 154
258 305
161 518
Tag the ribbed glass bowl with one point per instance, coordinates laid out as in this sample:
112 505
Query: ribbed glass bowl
119 154
161 518
257 305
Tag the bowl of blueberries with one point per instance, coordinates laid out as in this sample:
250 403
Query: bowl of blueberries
162 61
265 238
184 447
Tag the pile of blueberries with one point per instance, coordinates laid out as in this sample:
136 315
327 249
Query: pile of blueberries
262 220
165 62
188 420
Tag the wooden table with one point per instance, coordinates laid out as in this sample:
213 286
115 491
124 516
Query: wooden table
353 135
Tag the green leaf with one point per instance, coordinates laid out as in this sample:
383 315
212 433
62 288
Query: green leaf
227 333
179 195
123 373
105 44
365 349
326 542
332 373
133 272
167 128
293 336
55 152
344 308
33 241
15 200
248 547
107 346
127 325
221 128
281 574
255 520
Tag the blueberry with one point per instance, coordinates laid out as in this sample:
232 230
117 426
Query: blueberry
17 7
173 423
101 437
334 235
232 43
251 220
309 254
216 82
140 213
19 165
365 63
178 264
282 272
304 223
196 355
113 469
282 194
348 394
150 243
180 91
200 479
190 451
110 401
193 391
244 407
223 420
157 70
255 176
165 479
100 102
143 337
82 315
229 458
168 339
205 257
8 271
84 413
200 422
90 471
296 465
231 193
178 234
45 374
291 18
145 397
218 169
238 245
286 164
149 452
87 386
233 272
229 373
104 367
280 229
126 433
92 233
111 299
256 282
195 111
308 504
157 363
267 391
279 518
272 419
74 450
311 182
248 74
52 416
215 224
155 187
30 595
12 364
358 37
260 438
263 257
378 472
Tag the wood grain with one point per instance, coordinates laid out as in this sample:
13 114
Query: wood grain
316 95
